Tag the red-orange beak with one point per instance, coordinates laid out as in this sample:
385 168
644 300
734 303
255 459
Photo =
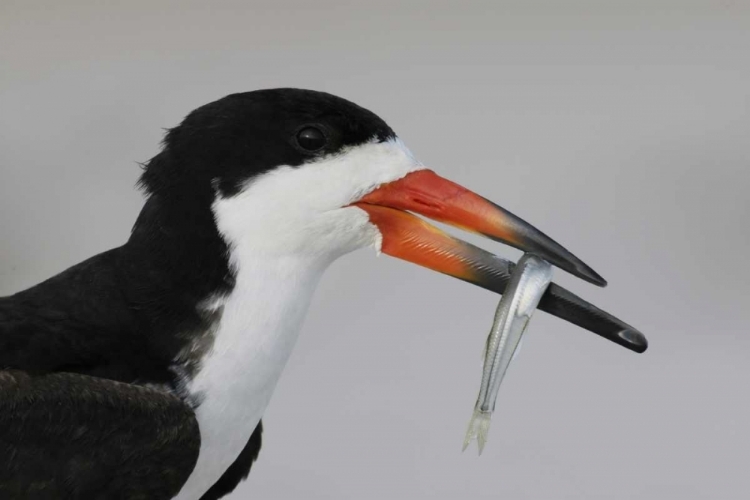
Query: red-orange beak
410 238
426 193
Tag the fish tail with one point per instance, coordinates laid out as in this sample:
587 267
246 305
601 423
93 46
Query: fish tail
479 428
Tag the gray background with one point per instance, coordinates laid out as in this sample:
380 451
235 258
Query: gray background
619 128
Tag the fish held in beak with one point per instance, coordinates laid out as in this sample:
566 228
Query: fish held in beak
530 279
410 238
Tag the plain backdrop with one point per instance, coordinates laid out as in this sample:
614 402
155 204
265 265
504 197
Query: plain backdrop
619 128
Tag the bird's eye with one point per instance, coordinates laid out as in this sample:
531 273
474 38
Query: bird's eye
311 139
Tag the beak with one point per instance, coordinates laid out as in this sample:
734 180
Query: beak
412 239
428 194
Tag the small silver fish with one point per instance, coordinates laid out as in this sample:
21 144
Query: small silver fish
530 279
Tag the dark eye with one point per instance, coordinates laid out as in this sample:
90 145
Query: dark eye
311 139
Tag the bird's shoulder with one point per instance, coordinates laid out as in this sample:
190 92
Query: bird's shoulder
71 318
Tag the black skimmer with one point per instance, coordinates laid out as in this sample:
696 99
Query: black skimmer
144 371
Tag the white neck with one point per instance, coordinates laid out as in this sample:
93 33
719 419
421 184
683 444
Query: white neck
259 326
283 229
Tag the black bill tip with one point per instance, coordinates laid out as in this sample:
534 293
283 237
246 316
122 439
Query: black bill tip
585 272
526 237
633 340
539 243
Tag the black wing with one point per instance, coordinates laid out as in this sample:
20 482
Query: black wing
67 436
239 470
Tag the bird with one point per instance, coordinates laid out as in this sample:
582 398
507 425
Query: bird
144 371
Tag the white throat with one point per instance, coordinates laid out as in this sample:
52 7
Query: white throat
283 230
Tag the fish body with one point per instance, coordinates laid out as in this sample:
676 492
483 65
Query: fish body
530 279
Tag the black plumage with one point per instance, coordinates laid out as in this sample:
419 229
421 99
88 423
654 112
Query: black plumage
70 436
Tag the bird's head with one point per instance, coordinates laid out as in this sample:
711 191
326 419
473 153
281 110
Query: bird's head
297 173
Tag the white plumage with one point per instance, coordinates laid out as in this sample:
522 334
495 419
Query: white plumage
283 229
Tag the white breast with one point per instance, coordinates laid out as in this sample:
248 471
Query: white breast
258 329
